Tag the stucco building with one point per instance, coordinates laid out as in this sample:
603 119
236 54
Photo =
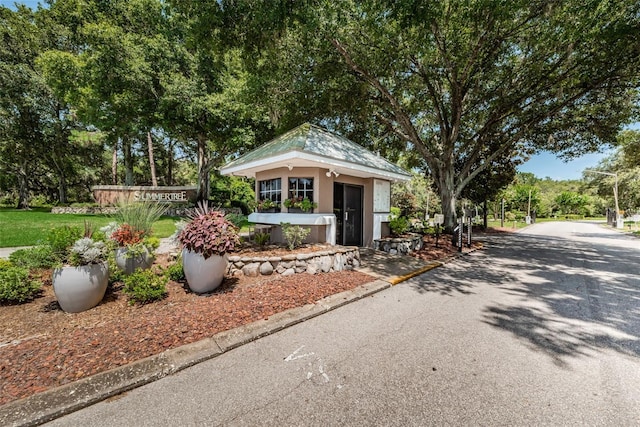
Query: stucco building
348 185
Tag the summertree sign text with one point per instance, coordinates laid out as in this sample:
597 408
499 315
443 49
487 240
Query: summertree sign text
111 195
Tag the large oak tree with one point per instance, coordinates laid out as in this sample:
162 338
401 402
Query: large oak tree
447 79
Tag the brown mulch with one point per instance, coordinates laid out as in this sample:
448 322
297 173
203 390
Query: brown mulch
444 249
42 347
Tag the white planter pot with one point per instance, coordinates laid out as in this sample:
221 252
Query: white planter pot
80 288
203 275
128 264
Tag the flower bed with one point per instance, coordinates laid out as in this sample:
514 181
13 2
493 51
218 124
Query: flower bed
337 258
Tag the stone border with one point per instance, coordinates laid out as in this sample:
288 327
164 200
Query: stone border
335 259
399 245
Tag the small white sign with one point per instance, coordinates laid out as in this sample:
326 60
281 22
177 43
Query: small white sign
381 196
438 219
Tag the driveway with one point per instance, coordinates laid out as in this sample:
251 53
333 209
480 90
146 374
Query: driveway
542 327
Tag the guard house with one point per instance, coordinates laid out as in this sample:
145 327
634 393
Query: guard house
350 185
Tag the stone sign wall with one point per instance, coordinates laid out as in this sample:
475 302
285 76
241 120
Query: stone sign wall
109 195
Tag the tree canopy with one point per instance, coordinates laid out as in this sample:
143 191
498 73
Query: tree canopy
448 79
461 90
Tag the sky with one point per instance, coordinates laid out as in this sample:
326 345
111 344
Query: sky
33 4
548 165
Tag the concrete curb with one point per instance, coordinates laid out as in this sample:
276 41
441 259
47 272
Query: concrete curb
54 403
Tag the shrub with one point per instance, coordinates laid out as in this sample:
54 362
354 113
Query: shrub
152 243
399 225
294 235
262 238
145 286
5 263
115 274
242 205
39 201
40 256
239 220
16 286
407 203
60 239
9 199
175 272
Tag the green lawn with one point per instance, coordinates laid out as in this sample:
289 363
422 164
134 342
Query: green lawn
26 228
522 224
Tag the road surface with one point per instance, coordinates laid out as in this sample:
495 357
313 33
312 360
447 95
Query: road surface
540 328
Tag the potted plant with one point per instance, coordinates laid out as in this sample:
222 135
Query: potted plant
300 204
132 251
267 205
206 240
80 284
131 234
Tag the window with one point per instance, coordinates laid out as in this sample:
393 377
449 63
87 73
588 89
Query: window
301 188
270 189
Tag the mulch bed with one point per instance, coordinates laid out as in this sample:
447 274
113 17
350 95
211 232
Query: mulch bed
42 347
444 249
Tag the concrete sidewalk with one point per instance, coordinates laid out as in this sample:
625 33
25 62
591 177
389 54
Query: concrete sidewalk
48 405
5 252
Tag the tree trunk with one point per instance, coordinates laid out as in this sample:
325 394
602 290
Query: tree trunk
485 215
152 163
58 164
203 169
114 164
446 189
23 188
62 187
170 163
128 161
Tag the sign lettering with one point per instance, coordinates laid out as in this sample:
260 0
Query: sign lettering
140 196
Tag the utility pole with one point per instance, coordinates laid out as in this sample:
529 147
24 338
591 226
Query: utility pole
502 215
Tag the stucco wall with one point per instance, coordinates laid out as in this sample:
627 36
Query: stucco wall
323 196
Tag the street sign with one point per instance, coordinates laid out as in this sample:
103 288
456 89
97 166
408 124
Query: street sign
438 219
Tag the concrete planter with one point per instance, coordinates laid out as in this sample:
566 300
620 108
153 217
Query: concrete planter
203 275
129 264
80 288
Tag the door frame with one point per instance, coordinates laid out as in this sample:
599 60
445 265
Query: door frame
340 221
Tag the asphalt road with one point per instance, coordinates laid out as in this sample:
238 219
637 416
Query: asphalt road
540 328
